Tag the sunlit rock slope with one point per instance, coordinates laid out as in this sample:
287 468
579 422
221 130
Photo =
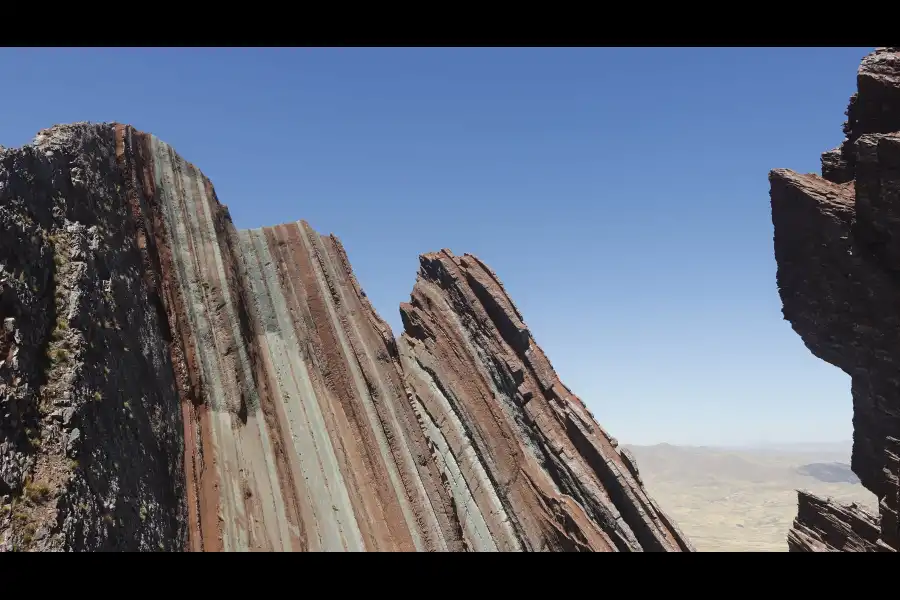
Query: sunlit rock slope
168 382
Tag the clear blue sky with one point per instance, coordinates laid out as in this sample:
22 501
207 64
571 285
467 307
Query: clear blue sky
620 194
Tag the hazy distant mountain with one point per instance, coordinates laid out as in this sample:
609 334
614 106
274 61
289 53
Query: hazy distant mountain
833 472
842 449
744 499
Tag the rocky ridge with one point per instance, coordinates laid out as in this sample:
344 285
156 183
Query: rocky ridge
837 246
168 382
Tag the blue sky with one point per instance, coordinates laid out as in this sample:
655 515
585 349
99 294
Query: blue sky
620 194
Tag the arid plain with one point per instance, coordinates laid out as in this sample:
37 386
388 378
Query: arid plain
744 499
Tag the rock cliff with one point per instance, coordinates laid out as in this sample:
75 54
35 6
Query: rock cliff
523 455
168 382
837 246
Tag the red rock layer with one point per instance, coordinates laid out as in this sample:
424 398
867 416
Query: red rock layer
260 401
836 245
526 464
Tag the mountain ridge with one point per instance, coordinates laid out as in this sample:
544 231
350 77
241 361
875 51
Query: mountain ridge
171 382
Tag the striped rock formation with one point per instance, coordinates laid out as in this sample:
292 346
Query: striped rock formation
524 456
168 382
836 245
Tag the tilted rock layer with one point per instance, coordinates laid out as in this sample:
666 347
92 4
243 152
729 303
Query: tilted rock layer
837 245
168 382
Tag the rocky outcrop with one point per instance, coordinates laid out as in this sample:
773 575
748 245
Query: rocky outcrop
168 382
837 245
91 433
825 526
522 456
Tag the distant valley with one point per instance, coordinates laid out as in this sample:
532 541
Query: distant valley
744 499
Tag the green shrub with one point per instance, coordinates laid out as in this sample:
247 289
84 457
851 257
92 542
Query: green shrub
37 492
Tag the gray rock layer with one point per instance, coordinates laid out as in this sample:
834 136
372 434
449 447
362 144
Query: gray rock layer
168 382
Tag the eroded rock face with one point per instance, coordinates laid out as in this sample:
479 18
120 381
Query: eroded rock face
826 526
91 451
837 245
168 382
522 456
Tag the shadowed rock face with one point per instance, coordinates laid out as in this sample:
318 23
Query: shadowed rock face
825 526
91 432
168 382
837 245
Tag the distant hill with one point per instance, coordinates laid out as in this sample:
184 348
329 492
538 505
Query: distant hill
744 499
827 449
832 472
